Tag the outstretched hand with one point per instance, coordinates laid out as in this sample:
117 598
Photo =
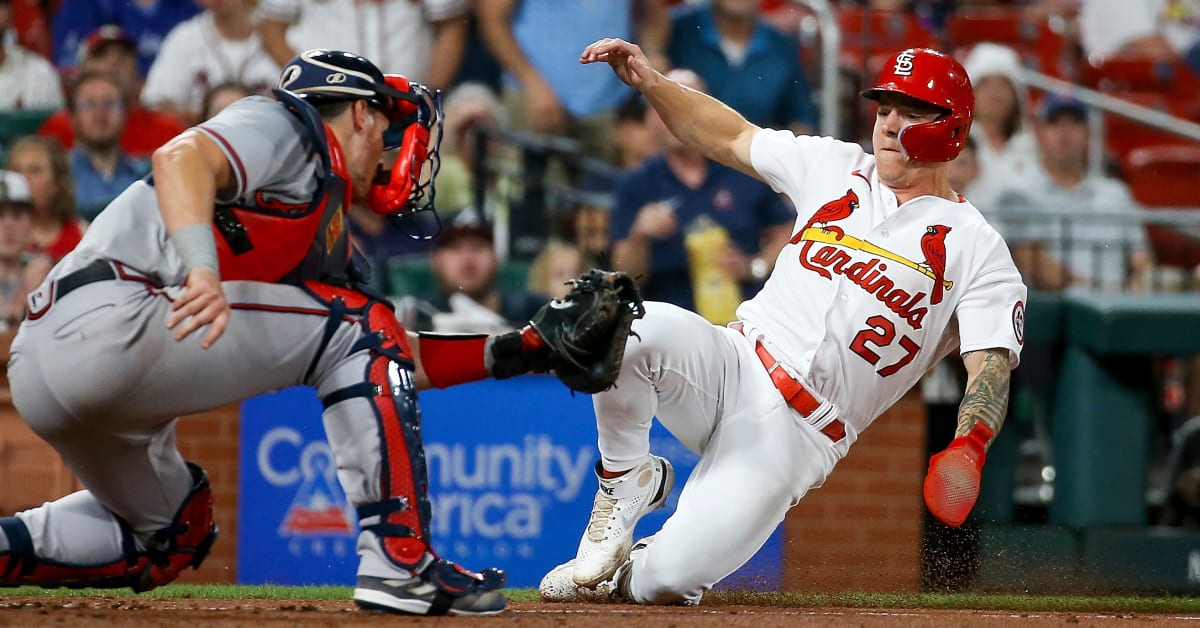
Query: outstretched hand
627 61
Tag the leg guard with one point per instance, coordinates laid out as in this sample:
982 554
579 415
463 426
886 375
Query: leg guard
400 518
397 516
184 543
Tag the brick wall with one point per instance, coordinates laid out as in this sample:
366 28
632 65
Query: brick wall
862 529
31 473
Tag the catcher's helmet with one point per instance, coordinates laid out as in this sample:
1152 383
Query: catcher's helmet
322 76
936 78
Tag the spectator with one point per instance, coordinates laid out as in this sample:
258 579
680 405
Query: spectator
964 169
31 21
100 168
221 96
27 81
422 39
20 270
636 141
545 88
380 238
146 21
470 107
56 228
1104 252
658 201
465 266
1006 151
217 46
556 265
111 50
747 64
1164 30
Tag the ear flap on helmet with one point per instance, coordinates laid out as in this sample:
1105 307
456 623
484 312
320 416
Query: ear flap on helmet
937 141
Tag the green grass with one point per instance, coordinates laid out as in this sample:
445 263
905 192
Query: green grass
976 601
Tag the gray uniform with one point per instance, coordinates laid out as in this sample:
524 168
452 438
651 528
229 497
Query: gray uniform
98 375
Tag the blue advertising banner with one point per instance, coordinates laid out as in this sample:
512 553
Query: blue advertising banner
511 482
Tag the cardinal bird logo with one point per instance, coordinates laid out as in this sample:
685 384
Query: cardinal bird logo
829 212
933 245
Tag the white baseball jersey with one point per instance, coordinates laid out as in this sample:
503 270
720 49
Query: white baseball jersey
398 33
27 81
854 307
195 57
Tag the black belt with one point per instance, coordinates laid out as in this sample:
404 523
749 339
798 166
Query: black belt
99 270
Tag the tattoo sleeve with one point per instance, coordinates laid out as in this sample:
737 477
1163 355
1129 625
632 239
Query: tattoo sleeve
986 398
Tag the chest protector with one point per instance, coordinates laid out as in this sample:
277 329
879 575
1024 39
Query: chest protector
272 241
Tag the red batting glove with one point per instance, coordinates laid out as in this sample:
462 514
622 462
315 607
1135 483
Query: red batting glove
952 482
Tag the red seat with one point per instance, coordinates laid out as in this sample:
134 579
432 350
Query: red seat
1167 176
1122 135
1164 176
869 32
1037 40
1131 74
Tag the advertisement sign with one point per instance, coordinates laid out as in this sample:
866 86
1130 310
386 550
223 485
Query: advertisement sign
511 484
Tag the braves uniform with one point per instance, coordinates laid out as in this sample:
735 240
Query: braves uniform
97 374
867 297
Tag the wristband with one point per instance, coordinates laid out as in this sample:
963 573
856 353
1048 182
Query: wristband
196 246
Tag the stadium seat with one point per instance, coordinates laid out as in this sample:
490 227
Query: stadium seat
1164 175
1167 176
18 123
1039 41
868 33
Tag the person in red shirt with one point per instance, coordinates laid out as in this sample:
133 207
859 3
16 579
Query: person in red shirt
111 50
56 228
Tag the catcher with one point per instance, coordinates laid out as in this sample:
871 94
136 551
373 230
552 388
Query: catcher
228 273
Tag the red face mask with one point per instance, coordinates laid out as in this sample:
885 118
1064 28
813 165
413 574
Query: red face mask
416 130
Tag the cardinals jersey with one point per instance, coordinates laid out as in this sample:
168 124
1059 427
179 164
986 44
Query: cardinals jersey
868 295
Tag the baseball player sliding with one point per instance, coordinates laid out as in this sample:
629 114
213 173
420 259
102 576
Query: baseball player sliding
228 273
888 271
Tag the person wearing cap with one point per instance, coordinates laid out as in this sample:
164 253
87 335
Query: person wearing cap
27 81
20 270
111 50
146 21
1103 246
226 274
465 267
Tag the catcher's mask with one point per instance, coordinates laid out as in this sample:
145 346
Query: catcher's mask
414 111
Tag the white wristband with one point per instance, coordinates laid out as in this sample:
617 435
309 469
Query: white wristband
196 246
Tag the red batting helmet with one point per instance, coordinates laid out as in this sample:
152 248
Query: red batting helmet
936 78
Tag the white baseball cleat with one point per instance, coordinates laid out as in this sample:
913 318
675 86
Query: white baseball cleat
619 504
558 586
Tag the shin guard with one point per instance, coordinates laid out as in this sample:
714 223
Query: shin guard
185 543
400 517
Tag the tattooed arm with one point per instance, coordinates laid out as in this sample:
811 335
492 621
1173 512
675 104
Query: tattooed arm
986 398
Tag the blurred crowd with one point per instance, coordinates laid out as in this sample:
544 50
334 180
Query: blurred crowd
550 167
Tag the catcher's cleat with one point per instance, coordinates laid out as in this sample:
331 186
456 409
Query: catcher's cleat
439 588
619 504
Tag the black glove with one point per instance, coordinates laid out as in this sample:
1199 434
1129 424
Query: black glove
581 337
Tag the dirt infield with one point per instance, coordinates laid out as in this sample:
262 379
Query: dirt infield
124 611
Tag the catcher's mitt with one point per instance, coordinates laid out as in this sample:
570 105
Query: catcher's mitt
585 331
